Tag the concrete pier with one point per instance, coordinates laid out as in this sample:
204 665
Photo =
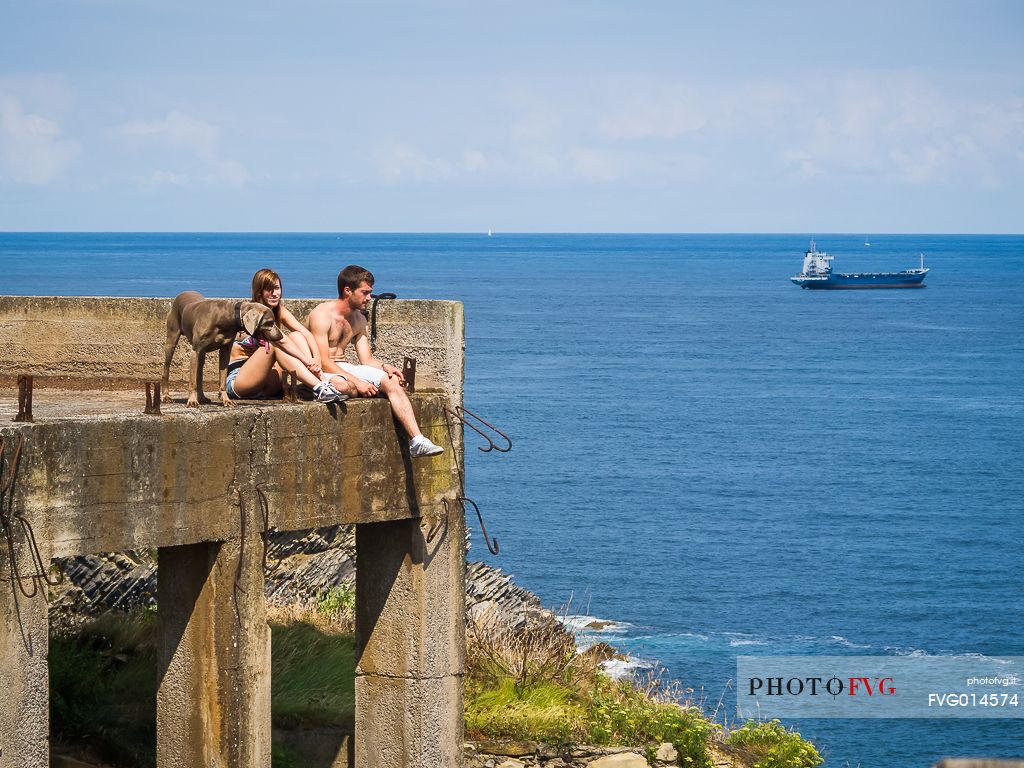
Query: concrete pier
97 475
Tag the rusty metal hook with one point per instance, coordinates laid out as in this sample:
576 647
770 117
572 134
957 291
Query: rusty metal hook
5 484
492 544
460 413
36 557
436 527
265 510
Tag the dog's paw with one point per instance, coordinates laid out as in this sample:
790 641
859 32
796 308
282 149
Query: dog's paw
166 398
227 402
192 402
205 400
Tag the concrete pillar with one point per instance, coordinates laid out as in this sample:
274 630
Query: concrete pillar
410 643
24 675
213 700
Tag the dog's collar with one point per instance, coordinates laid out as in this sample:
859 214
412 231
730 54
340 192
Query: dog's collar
238 317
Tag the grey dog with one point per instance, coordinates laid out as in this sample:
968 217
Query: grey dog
211 324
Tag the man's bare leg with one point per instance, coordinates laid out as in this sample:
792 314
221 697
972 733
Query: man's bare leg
419 446
400 405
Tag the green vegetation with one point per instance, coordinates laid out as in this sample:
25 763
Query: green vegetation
770 745
527 684
313 677
103 688
532 684
103 682
337 603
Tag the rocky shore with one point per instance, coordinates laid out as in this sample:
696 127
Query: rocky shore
301 565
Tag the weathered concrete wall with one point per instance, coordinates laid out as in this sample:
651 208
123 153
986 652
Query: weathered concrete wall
410 641
24 676
112 342
135 481
96 475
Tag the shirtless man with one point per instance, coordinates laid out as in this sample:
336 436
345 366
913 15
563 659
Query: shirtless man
336 323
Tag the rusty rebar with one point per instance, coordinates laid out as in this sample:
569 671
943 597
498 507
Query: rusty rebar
6 508
409 373
492 544
24 399
291 386
460 413
153 398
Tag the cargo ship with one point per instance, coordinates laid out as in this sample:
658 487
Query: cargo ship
818 274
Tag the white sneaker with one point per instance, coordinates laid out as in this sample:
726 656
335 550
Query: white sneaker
421 446
325 393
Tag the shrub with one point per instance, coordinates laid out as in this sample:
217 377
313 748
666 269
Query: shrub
337 602
771 745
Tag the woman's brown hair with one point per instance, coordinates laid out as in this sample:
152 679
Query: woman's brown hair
264 281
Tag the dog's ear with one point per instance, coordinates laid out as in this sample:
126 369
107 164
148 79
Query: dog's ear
252 316
258 321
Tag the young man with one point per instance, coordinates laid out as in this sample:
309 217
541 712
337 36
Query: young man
336 323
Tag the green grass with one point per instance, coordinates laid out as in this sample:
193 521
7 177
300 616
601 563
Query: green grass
604 712
528 685
103 688
313 677
103 684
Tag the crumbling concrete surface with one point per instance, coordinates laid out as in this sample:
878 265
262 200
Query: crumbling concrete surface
94 474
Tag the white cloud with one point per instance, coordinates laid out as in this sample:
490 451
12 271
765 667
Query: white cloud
657 110
31 150
177 130
474 161
400 162
901 128
593 164
197 138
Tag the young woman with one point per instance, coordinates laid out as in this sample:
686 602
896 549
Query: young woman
257 371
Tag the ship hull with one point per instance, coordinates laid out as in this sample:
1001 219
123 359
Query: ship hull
866 280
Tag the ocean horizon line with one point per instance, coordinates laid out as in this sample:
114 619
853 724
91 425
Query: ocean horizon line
503 233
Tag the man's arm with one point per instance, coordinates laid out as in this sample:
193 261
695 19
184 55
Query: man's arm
365 354
320 327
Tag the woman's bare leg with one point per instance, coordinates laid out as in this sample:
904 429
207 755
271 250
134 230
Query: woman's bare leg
292 365
253 376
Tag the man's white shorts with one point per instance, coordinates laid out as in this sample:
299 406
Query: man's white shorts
364 372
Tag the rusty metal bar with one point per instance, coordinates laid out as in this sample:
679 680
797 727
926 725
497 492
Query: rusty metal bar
291 386
7 524
409 372
492 544
153 397
24 399
460 413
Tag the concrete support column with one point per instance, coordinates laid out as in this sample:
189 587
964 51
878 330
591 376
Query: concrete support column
24 675
410 643
213 700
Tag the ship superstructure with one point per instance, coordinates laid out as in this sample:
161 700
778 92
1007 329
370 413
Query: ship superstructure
818 273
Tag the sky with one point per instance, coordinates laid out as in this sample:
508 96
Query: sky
464 115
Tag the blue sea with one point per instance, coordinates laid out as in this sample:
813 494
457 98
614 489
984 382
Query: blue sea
719 461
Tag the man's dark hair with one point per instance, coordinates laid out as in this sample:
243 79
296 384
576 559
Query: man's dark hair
351 277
